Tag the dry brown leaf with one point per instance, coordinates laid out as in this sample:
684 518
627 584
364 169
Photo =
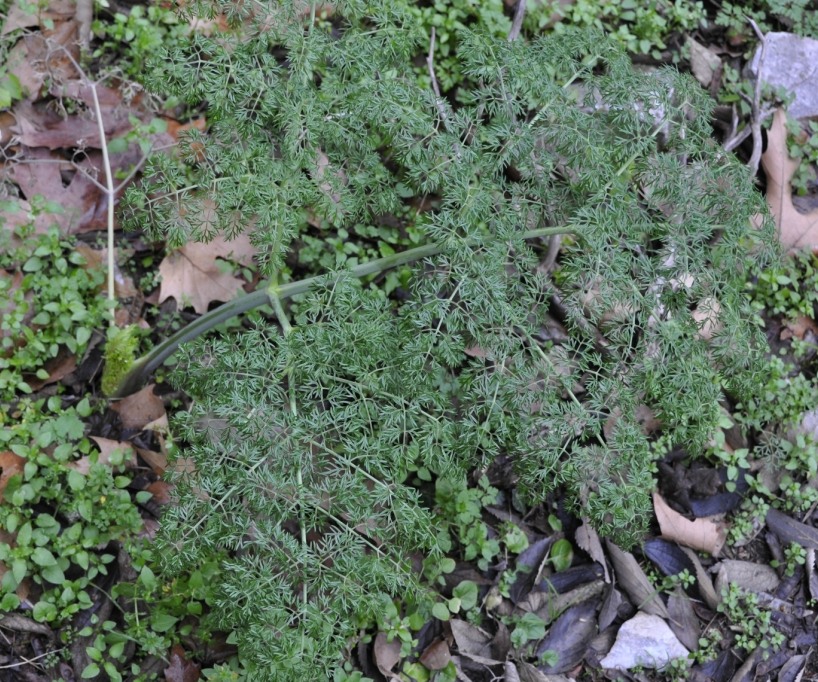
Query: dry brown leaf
748 575
706 316
704 535
683 621
795 230
180 669
790 530
10 464
20 623
386 654
703 581
83 204
97 259
40 125
471 641
634 582
140 409
26 59
588 540
58 368
157 461
107 447
798 328
161 492
337 178
192 276
436 656
20 14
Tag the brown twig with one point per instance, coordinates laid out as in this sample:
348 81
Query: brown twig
517 22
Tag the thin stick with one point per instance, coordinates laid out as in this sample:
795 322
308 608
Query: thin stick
109 191
430 62
517 23
30 661
755 121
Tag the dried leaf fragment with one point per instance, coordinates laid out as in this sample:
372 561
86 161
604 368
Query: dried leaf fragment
704 535
140 409
790 530
795 230
193 276
635 583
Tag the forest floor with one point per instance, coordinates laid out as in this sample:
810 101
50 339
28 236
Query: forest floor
732 572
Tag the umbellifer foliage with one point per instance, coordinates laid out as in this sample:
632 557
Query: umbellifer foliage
304 437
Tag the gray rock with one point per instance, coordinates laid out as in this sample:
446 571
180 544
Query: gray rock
646 641
791 62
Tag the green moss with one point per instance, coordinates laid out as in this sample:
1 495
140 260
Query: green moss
120 353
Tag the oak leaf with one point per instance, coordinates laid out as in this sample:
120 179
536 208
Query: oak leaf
193 277
795 230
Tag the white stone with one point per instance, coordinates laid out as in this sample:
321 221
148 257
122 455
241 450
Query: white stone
790 62
646 641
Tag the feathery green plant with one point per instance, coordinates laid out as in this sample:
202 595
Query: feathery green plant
305 435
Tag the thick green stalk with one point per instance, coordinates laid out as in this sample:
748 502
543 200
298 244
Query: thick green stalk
144 366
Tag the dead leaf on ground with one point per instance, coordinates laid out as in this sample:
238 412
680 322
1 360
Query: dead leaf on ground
549 606
386 654
26 59
335 178
58 368
634 582
798 328
795 230
570 636
748 575
471 640
20 14
41 125
140 409
157 461
704 535
11 465
683 620
706 315
703 581
180 669
20 623
107 447
161 491
530 673
588 540
97 259
436 656
54 178
790 530
192 276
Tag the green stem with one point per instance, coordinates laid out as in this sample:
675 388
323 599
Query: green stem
145 366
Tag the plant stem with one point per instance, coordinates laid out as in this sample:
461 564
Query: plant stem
265 295
110 195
